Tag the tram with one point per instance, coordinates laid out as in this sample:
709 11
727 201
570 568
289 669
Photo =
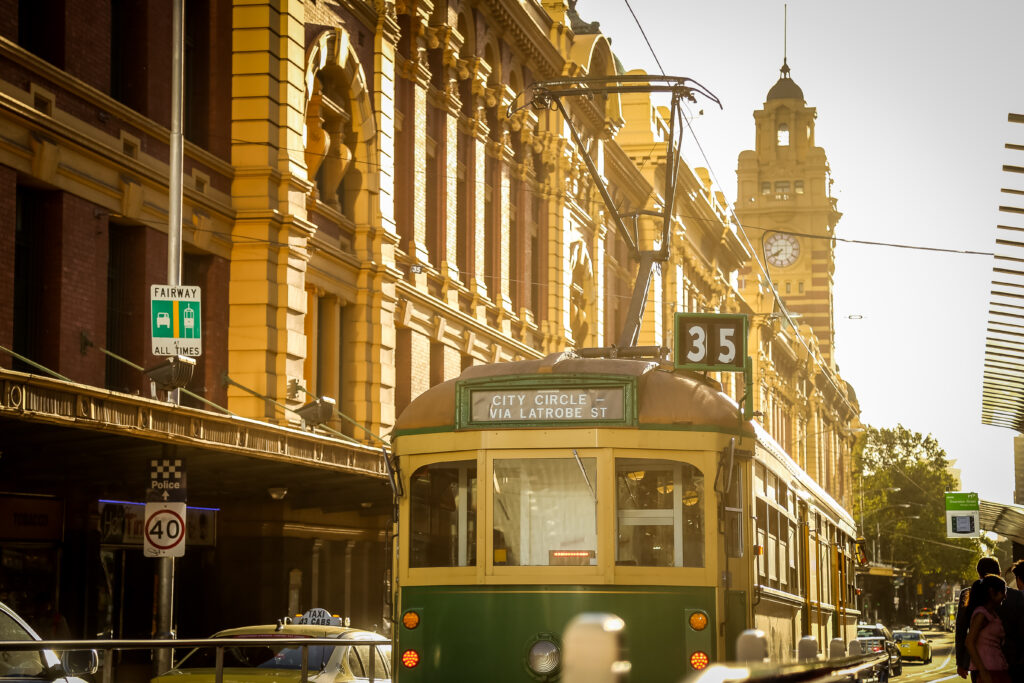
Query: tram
536 490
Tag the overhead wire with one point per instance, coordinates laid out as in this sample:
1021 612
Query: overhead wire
827 372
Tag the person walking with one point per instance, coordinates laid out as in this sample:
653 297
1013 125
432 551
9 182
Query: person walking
1011 612
986 565
985 634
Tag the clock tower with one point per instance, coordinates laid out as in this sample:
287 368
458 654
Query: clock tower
784 201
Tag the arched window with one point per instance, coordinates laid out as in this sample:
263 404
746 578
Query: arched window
782 135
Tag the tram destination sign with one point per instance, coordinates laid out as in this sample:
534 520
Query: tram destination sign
550 405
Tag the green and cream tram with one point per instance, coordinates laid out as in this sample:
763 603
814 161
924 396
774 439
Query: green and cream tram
533 491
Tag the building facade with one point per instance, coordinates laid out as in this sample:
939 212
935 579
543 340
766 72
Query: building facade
365 220
785 204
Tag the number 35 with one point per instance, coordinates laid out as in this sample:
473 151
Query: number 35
723 344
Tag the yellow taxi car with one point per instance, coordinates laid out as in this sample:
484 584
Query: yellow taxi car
914 645
341 664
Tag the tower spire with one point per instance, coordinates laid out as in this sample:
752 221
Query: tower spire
784 71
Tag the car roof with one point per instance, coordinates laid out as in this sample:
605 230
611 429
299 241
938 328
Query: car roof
299 631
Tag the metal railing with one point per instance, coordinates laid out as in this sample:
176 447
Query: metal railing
109 647
846 669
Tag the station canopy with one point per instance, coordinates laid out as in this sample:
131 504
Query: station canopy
1004 519
1002 396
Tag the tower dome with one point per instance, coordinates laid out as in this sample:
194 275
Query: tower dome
785 88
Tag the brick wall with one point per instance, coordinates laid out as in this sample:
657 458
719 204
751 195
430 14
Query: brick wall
9 19
144 263
412 363
145 64
81 287
214 272
8 201
445 363
219 110
87 41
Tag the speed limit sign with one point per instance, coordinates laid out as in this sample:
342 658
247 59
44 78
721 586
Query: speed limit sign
164 530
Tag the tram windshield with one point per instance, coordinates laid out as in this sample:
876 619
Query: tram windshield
660 513
442 520
545 512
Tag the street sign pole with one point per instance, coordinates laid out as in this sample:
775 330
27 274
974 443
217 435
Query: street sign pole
165 579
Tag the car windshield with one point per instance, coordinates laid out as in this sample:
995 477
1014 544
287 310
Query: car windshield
259 656
907 635
18 663
868 632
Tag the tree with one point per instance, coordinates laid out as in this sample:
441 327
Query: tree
901 509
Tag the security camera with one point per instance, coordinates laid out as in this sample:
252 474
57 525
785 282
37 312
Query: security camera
173 373
317 412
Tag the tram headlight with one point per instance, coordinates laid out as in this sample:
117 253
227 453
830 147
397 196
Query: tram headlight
699 660
410 658
544 657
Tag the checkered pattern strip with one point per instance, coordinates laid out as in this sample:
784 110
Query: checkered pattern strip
165 469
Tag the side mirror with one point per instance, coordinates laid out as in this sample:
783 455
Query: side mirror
80 662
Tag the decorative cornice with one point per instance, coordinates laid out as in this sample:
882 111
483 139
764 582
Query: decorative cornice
542 56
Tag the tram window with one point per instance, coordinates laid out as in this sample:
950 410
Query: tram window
545 512
442 519
733 515
761 523
660 510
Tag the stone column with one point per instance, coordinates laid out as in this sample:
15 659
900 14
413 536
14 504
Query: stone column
477 71
598 329
369 340
447 39
266 342
558 276
502 152
415 70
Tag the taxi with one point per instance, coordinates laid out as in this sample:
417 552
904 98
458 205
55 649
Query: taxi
284 664
914 645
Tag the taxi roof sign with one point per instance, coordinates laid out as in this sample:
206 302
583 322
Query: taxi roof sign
318 616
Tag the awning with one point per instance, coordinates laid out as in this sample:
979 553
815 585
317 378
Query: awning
1004 519
82 440
1002 395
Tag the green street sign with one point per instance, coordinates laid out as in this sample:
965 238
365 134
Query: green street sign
963 516
961 500
176 321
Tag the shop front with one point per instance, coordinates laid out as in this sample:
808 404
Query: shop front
278 520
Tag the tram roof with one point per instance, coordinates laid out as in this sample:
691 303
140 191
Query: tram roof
665 396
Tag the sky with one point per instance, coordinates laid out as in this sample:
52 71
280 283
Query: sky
912 99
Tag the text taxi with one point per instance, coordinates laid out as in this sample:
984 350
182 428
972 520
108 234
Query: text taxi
350 661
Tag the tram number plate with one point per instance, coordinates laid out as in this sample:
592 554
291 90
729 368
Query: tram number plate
711 341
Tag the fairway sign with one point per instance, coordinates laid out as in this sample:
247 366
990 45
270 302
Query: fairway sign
176 321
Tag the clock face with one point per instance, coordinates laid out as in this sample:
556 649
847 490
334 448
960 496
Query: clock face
781 250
